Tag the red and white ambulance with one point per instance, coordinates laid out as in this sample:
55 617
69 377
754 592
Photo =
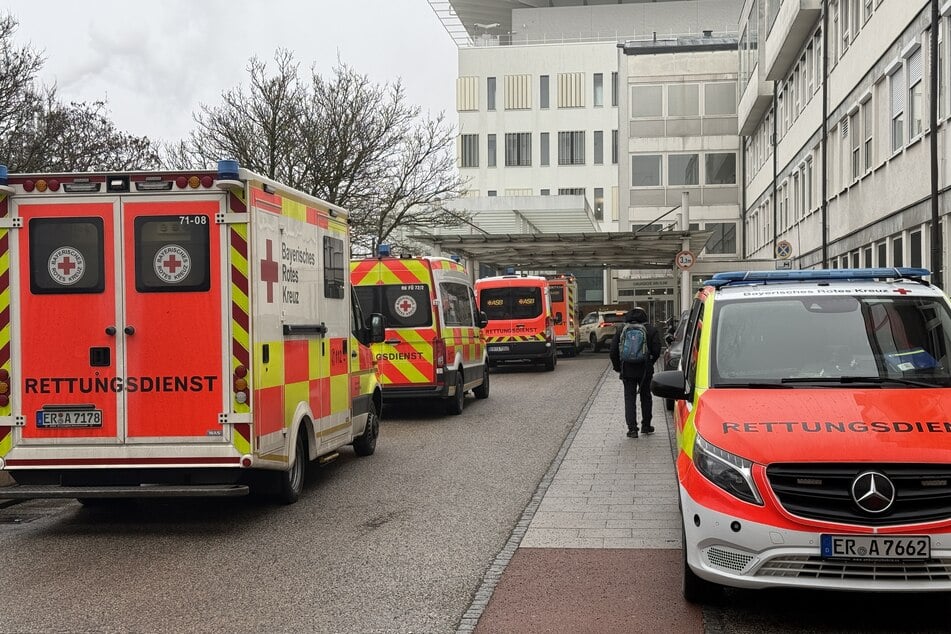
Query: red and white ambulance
563 289
520 326
813 429
174 333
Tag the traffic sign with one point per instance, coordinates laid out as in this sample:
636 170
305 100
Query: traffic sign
783 249
685 260
783 265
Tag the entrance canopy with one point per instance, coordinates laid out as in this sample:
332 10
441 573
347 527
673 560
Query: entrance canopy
560 251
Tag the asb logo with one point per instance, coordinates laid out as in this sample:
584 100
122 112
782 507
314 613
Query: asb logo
405 306
172 264
873 492
66 266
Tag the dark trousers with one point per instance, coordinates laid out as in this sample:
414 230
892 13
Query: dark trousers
632 386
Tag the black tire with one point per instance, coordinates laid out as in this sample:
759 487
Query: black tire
595 346
696 589
455 403
483 390
669 404
551 362
365 443
291 482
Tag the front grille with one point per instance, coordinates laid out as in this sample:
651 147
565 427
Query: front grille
812 567
824 492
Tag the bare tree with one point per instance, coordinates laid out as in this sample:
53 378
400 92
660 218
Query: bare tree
38 133
341 138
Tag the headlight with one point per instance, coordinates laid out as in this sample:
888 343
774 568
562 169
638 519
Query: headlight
729 472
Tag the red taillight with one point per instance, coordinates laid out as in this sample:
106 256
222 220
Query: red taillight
182 182
28 185
4 375
54 185
207 181
602 324
439 353
4 400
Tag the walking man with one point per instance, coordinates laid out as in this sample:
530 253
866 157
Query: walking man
634 349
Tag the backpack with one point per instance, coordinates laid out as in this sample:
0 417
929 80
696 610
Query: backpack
633 344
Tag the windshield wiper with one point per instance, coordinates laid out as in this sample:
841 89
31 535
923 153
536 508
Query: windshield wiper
752 384
877 380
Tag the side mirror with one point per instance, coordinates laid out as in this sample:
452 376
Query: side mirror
669 338
483 319
558 318
669 384
377 328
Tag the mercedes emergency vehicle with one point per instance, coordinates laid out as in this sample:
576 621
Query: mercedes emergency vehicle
563 290
433 346
175 334
521 326
813 417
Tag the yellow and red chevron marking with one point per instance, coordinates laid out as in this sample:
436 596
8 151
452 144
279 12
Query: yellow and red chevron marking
447 265
6 438
406 371
240 314
516 338
277 204
389 271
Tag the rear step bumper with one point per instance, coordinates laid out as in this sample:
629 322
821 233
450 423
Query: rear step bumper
32 491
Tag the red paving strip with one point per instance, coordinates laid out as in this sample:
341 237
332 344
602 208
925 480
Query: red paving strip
582 590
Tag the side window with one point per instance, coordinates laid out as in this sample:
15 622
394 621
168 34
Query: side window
456 305
692 345
171 255
356 314
66 256
333 268
590 318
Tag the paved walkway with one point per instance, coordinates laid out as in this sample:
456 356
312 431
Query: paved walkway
598 547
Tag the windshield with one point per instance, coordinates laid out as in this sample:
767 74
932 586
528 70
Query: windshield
402 305
520 302
836 339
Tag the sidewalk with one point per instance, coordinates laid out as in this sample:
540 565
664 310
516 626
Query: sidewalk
598 547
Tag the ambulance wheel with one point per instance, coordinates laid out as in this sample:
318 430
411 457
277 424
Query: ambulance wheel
595 346
456 402
365 444
291 482
483 390
551 362
695 588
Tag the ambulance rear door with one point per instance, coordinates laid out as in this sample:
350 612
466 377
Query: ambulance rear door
121 319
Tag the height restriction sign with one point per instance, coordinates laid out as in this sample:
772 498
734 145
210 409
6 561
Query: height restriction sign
685 260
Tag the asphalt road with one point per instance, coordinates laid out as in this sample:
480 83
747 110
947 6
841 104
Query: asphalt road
396 542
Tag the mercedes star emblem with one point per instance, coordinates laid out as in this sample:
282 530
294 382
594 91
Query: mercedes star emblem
873 492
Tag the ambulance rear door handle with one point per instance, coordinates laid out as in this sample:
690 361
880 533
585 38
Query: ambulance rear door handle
111 331
129 330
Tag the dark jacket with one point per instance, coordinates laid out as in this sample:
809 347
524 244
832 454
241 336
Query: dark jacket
635 370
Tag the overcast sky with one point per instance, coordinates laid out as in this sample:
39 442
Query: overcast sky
155 62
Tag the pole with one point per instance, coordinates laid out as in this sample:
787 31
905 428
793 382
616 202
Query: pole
824 216
685 245
936 242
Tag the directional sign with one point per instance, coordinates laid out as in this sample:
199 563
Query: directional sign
783 249
685 260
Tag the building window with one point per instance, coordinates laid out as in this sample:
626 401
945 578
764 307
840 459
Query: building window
543 91
599 203
882 254
614 147
492 192
614 88
598 147
719 99
470 150
914 249
898 110
544 148
868 9
545 192
490 92
683 169
518 149
807 184
571 191
867 254
646 170
598 90
897 259
856 146
571 148
868 125
845 25
683 100
720 168
490 155
723 240
914 95
647 101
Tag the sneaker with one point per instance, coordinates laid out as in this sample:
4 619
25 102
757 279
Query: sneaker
647 429
632 433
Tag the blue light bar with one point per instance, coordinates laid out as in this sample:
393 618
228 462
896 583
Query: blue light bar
383 250
227 170
722 279
3 175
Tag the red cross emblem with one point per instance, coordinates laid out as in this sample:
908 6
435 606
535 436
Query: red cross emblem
269 271
902 291
66 266
405 305
172 264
